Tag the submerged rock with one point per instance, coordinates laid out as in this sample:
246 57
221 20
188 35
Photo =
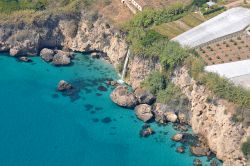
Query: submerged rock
25 59
102 88
177 137
197 162
122 97
47 54
63 85
144 97
180 149
214 163
146 131
143 112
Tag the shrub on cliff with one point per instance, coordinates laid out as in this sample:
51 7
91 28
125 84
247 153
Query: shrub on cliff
155 82
245 148
220 86
173 96
172 55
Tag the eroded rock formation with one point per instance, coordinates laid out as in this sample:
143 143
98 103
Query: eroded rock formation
223 136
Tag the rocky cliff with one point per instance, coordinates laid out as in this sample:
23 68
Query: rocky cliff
212 120
224 136
77 32
139 68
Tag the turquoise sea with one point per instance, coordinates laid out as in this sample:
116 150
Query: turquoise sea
42 127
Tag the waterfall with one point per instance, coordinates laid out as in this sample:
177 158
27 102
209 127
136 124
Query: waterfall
125 67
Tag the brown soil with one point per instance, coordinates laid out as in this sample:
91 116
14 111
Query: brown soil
234 49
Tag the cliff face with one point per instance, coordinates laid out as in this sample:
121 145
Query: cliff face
77 33
139 68
212 120
74 32
224 136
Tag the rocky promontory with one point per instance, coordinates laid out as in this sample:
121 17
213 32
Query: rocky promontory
53 32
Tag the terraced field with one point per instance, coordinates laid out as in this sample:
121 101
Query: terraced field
175 28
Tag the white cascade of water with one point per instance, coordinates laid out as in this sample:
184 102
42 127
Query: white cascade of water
124 67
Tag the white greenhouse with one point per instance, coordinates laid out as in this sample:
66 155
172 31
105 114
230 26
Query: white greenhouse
229 22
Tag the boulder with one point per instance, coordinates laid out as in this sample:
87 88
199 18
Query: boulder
143 112
199 151
4 47
47 54
122 97
14 51
62 58
25 59
144 97
95 55
177 137
171 116
63 85
159 113
163 113
182 117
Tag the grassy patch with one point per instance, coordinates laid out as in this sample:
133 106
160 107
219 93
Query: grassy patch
245 148
175 28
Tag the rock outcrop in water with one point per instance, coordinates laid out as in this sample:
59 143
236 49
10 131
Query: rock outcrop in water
144 112
63 85
122 97
47 54
62 58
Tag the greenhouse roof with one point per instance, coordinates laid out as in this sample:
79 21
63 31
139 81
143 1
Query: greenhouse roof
231 21
238 72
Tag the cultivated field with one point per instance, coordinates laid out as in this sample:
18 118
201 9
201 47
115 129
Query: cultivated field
234 49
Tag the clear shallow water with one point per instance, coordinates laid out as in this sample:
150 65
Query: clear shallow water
40 127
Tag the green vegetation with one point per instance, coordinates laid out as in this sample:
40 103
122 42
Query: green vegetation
149 16
144 41
8 6
220 86
159 84
155 82
173 96
13 5
175 28
245 148
210 11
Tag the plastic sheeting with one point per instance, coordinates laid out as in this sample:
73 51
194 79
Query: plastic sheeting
231 21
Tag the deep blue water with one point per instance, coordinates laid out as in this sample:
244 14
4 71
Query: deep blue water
41 127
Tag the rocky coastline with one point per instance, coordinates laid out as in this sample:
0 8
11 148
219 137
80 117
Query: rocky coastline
54 41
